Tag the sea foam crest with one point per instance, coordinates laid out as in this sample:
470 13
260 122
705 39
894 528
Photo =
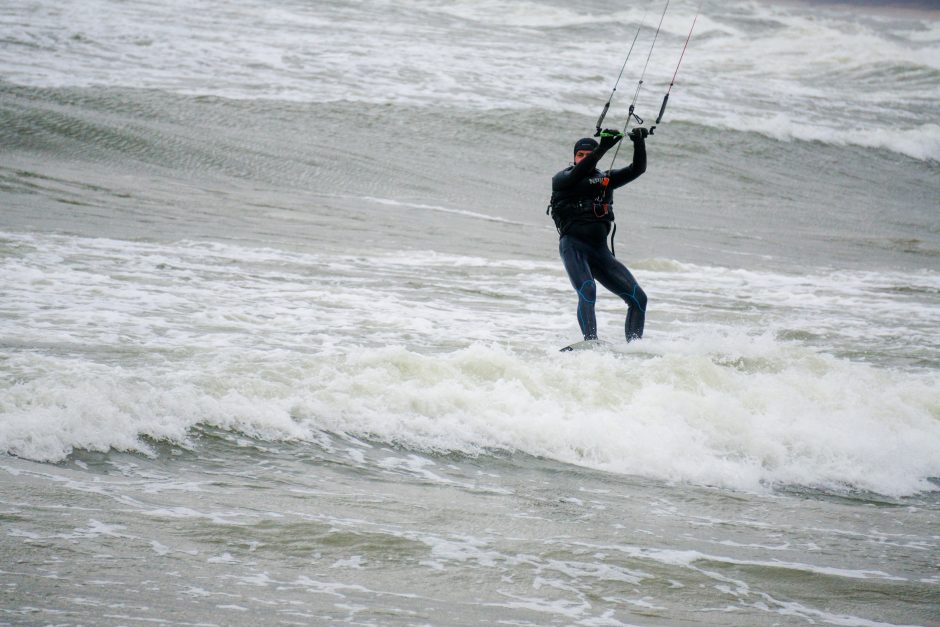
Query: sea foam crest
921 142
780 416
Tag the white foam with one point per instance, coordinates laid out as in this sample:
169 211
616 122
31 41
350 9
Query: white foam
817 422
919 141
115 342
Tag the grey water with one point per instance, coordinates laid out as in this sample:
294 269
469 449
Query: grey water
280 311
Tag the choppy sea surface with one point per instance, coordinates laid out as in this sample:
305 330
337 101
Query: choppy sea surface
280 311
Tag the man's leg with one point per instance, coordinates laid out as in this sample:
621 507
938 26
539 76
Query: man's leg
618 279
579 273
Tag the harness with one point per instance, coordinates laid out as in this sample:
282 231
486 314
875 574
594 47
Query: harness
567 210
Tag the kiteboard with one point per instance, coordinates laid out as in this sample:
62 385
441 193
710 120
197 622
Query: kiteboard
583 345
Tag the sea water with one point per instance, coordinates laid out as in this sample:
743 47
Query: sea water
281 311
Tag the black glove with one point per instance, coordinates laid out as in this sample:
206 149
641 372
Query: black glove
638 133
609 138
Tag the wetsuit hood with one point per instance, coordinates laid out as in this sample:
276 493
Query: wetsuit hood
585 143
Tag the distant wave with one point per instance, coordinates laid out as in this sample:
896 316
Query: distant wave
921 142
931 5
779 63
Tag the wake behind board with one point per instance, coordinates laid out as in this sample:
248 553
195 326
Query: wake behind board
583 345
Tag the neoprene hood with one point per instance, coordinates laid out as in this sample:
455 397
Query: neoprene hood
585 143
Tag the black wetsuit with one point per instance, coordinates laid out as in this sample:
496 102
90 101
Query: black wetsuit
582 208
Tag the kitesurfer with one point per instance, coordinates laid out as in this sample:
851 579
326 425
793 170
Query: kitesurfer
582 208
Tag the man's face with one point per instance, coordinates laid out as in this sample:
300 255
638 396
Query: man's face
581 154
